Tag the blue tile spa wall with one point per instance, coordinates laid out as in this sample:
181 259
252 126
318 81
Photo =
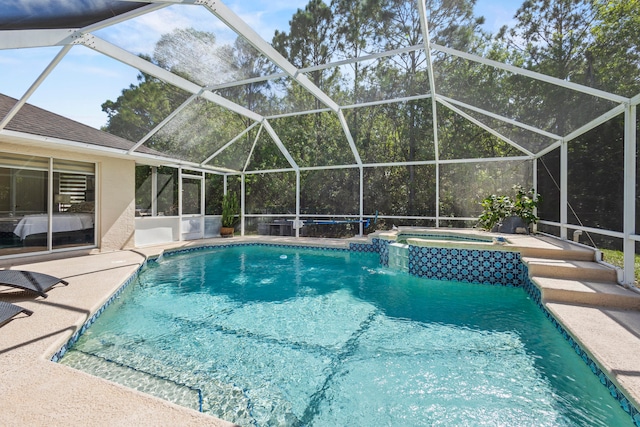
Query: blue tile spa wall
467 265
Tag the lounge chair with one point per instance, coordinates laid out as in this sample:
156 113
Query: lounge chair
8 311
29 280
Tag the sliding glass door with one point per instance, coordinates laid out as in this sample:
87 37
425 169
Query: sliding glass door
45 204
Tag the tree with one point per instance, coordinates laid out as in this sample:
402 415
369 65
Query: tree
141 107
614 56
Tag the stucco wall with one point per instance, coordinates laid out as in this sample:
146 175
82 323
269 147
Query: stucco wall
115 204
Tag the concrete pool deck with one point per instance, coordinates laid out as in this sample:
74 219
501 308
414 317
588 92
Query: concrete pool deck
37 391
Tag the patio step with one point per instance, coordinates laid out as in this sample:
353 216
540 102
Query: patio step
550 248
584 292
572 253
569 269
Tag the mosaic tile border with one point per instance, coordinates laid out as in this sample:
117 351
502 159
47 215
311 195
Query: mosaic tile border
466 265
74 338
240 244
448 237
534 293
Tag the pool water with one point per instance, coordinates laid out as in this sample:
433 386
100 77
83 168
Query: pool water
272 336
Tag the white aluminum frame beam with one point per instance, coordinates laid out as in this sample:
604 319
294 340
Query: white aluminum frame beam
629 221
145 66
234 22
221 149
397 164
316 67
532 74
165 121
347 134
253 146
280 145
501 118
386 101
424 26
18 105
586 128
485 127
20 39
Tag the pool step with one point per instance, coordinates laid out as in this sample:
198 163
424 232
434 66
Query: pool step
584 292
569 269
132 377
549 248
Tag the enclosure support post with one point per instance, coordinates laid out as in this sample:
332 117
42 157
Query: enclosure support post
154 191
630 117
535 190
180 202
361 204
424 24
242 216
297 201
564 154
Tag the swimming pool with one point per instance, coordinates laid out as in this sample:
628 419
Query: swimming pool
284 336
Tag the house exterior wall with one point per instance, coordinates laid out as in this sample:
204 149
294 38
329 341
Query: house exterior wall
115 192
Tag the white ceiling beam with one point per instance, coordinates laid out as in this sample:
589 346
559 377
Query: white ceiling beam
19 39
485 127
123 17
387 101
145 66
280 145
584 129
234 22
298 113
548 149
260 172
253 146
398 164
532 74
246 81
221 149
164 122
347 134
501 118
373 56
596 122
316 68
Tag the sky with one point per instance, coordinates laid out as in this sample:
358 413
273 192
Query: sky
84 79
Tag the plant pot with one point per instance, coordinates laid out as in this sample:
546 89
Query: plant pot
226 231
512 225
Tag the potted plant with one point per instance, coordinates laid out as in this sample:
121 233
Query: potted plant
506 215
230 214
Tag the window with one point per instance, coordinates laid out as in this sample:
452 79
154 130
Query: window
32 220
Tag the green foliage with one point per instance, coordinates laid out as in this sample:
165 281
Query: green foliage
494 210
497 208
230 209
615 257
